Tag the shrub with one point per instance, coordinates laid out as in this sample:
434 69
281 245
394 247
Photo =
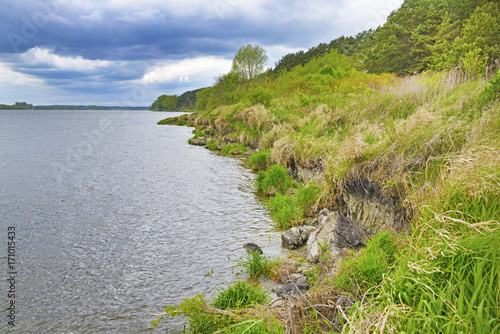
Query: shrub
283 210
240 295
260 95
261 159
307 196
274 180
492 89
255 264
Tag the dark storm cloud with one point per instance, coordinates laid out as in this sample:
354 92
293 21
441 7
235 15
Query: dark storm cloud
116 44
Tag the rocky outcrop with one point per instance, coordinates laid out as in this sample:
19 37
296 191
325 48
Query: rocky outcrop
296 236
335 233
365 202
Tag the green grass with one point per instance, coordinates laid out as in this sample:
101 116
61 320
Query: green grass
368 268
457 292
275 180
254 326
232 149
255 264
240 295
283 211
260 160
212 144
306 197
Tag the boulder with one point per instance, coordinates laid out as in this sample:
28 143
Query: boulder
296 236
251 247
336 233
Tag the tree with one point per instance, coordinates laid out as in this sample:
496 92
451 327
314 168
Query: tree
165 103
249 61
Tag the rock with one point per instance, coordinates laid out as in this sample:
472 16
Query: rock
336 233
200 141
296 236
251 247
294 285
305 268
365 202
323 215
345 303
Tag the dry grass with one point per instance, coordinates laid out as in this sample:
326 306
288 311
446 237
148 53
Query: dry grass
257 117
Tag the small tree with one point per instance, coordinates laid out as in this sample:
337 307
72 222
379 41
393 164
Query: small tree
249 61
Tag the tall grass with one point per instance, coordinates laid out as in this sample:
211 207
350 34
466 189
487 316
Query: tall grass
454 293
255 264
240 295
283 211
274 180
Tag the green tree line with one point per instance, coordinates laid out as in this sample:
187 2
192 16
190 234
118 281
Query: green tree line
421 35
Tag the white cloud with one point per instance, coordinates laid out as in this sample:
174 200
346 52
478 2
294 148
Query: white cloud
201 68
45 57
150 16
10 77
276 52
95 16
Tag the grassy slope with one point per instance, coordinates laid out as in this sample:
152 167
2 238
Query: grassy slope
432 139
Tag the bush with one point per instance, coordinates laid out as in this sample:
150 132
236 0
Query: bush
492 89
306 197
260 95
240 295
261 159
255 264
283 210
274 180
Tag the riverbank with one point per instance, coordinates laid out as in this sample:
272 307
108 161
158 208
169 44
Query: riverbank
396 180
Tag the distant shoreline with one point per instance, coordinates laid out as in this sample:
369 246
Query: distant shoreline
70 107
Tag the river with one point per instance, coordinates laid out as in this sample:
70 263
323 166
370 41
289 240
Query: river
115 218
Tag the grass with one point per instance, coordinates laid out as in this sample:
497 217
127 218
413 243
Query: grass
275 180
283 211
238 296
367 269
255 264
306 197
260 160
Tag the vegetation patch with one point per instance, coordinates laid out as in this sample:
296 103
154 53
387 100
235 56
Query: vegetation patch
255 264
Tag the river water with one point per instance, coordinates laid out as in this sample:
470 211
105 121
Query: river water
115 218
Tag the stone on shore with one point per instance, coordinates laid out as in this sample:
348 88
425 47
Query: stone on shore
336 233
296 236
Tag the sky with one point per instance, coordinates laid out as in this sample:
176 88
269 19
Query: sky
128 52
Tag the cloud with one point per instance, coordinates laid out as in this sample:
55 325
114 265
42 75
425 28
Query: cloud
10 77
164 45
45 57
199 68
